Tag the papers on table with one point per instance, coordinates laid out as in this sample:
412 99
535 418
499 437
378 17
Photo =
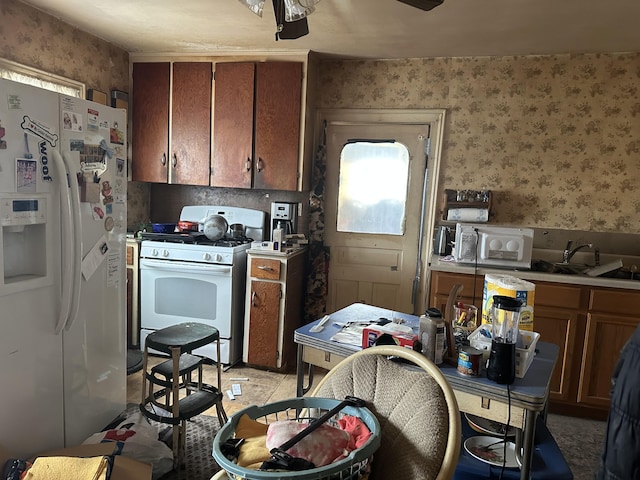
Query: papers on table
351 333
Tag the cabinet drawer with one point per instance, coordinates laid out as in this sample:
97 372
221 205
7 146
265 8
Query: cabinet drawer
491 409
443 282
266 268
129 255
614 301
558 295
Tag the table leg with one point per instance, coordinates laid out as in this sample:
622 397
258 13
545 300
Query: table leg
300 388
526 440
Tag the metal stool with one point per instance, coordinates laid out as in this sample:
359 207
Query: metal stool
172 396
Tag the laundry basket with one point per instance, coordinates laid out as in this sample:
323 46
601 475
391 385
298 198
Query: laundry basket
302 409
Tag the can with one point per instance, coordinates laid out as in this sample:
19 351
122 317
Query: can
469 361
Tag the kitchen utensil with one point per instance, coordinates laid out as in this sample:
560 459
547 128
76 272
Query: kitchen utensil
163 227
236 230
486 449
215 227
184 226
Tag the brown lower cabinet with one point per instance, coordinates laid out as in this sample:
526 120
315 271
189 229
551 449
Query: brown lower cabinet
273 309
589 324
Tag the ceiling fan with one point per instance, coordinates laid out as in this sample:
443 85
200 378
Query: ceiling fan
291 15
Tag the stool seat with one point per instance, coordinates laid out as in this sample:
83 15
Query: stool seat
188 336
173 397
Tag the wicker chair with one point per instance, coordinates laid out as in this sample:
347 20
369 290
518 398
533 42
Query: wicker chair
416 407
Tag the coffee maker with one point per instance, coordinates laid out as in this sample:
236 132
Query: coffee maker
285 216
505 320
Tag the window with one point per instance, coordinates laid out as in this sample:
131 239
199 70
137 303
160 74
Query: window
38 78
372 189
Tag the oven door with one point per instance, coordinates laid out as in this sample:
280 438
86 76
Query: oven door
174 292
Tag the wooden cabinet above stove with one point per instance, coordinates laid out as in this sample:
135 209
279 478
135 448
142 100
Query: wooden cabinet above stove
171 109
256 125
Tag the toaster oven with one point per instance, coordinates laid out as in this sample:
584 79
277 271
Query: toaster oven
498 246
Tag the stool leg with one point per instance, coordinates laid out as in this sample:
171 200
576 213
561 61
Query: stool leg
222 415
175 406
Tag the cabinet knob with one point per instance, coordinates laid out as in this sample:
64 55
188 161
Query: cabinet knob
163 159
260 165
248 165
253 299
175 160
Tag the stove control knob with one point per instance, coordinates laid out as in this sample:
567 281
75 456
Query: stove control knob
219 257
154 252
206 256
165 253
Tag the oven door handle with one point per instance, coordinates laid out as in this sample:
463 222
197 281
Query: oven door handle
184 267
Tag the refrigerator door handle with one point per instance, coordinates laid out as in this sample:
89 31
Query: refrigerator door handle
75 258
67 246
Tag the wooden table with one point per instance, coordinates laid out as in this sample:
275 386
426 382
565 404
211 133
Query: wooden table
520 402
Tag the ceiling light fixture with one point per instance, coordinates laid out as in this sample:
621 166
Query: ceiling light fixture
291 16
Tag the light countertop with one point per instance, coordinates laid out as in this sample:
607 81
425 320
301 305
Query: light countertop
437 264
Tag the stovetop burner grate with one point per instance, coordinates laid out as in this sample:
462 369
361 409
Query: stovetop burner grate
195 238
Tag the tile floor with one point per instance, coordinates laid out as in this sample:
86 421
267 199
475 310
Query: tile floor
261 387
580 440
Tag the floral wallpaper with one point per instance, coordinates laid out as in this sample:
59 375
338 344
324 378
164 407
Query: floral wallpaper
33 38
556 138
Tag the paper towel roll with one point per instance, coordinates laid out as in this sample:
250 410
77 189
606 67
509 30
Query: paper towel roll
468 214
509 286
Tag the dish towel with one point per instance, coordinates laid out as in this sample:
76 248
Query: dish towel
68 468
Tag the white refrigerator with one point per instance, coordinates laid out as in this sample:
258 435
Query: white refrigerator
62 268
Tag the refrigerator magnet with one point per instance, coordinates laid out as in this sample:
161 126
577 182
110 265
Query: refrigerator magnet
109 223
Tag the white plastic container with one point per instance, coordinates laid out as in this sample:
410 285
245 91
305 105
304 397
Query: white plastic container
524 354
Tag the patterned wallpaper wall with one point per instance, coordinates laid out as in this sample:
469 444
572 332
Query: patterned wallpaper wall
557 138
38 40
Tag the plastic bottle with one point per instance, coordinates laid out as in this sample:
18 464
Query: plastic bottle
432 335
277 237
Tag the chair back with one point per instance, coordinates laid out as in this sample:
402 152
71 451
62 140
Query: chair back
415 405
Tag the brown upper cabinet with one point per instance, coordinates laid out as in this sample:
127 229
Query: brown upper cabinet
256 125
171 116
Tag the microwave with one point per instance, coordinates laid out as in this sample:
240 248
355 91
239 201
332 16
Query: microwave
497 246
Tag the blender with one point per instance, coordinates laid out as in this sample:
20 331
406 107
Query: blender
505 318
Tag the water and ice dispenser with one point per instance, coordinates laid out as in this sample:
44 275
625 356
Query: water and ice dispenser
24 243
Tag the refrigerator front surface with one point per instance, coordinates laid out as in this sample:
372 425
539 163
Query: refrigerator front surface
31 356
93 143
62 341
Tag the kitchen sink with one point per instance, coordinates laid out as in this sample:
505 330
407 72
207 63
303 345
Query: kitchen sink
544 266
563 268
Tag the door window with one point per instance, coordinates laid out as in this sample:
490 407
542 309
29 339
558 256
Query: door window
372 188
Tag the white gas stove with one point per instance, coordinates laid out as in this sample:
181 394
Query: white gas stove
185 277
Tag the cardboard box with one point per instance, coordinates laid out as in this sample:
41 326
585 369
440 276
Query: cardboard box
372 333
124 468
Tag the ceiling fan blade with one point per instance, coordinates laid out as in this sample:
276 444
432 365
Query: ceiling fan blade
423 4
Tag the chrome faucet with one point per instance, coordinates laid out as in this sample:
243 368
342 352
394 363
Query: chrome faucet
569 253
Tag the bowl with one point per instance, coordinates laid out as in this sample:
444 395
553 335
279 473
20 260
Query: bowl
163 227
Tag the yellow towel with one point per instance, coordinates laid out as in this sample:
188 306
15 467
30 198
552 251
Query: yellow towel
68 468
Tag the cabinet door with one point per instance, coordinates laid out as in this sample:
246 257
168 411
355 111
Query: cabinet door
443 282
277 125
191 123
605 337
561 327
264 319
150 122
232 162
